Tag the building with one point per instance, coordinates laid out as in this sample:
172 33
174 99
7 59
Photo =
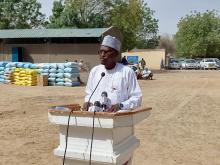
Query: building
53 45
153 57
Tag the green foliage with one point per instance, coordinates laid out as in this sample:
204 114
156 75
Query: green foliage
133 17
77 14
199 35
55 19
20 14
147 34
127 17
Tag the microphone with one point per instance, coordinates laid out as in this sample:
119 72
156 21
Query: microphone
97 103
102 75
96 107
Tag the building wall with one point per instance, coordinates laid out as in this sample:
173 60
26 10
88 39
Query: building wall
43 53
153 57
1 52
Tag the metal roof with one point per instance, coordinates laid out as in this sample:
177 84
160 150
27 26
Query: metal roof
51 33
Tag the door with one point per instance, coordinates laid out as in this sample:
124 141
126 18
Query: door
17 54
14 54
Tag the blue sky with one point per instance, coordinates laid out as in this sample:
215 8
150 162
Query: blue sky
168 12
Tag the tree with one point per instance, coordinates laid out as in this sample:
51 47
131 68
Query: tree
133 17
77 14
20 14
127 17
55 19
147 35
199 35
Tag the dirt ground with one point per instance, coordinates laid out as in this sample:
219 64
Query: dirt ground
183 129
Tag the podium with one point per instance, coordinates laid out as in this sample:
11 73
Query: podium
114 141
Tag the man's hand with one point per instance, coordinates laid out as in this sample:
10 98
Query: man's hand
114 108
86 106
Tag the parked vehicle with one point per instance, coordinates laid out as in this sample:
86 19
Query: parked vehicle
198 60
183 64
209 63
189 64
174 64
217 61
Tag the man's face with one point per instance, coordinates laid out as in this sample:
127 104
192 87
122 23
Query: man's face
108 56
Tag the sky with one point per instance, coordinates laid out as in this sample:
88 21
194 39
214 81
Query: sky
168 12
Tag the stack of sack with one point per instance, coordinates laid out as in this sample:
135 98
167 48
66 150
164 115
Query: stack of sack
8 77
43 68
60 74
48 69
2 71
52 70
24 73
9 69
71 74
26 77
26 65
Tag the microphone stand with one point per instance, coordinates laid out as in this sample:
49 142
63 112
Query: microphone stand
67 130
93 120
93 129
67 134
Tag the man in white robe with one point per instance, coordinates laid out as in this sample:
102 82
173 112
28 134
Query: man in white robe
120 82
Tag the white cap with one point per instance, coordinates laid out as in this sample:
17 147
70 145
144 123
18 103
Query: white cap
112 42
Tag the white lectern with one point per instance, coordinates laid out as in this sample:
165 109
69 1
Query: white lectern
114 141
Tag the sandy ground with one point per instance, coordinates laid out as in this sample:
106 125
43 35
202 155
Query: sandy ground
183 129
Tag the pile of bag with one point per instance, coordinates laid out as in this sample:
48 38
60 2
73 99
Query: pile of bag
26 77
25 73
61 74
2 71
6 70
26 65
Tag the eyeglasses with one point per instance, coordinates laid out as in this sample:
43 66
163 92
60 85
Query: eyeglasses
106 52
